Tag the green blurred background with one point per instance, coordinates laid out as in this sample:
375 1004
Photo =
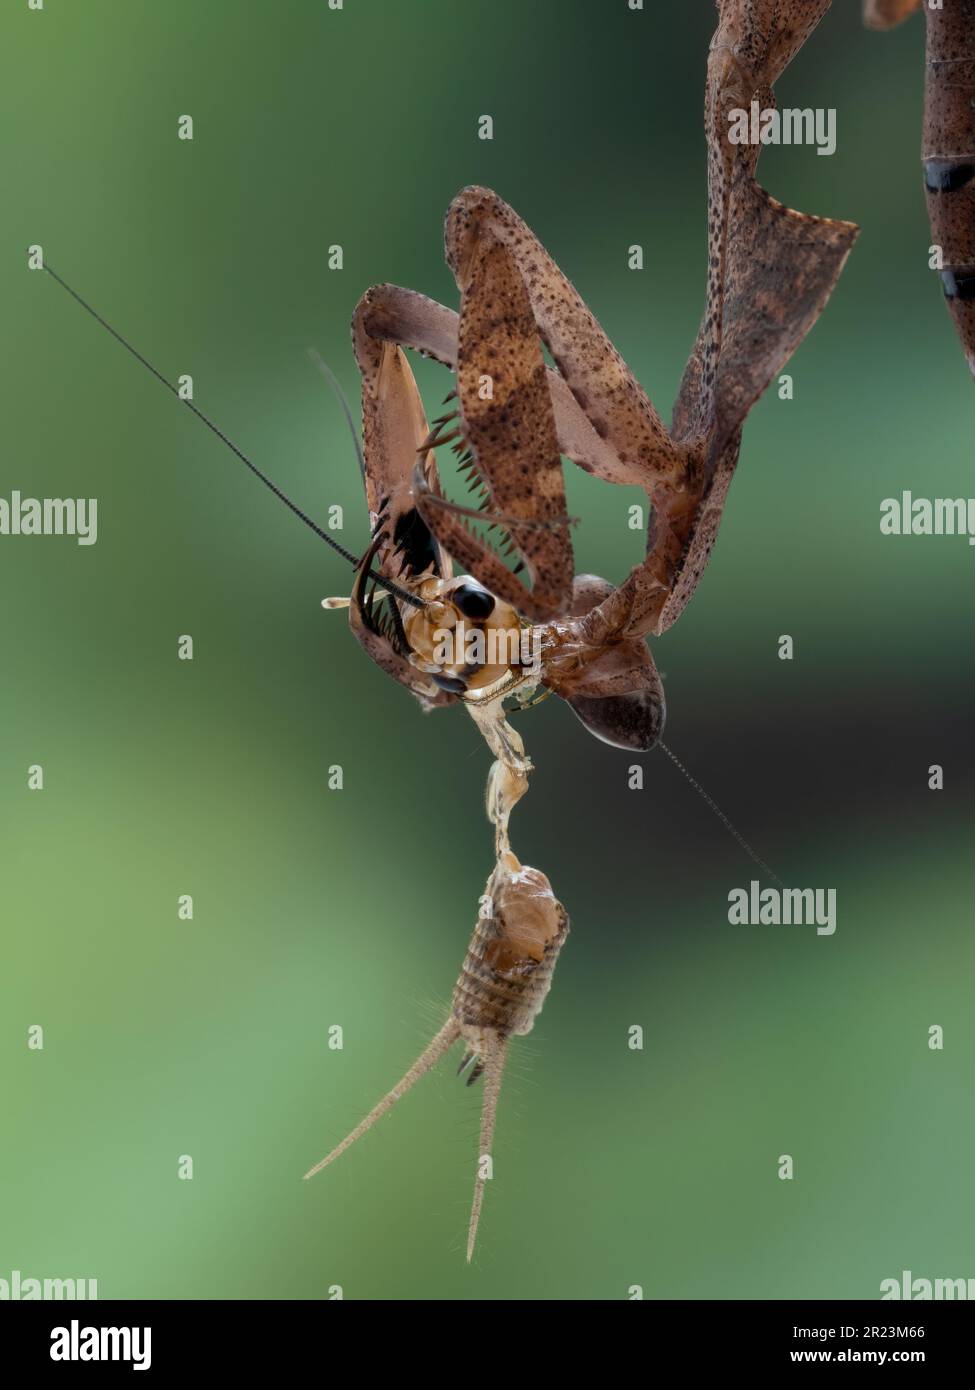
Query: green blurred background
316 907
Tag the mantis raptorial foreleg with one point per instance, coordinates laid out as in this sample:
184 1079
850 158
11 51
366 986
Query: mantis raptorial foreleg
389 313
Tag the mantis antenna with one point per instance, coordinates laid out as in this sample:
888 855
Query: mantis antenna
353 560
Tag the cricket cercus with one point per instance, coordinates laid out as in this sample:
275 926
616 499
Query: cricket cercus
461 639
497 633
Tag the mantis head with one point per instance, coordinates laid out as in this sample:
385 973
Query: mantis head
464 637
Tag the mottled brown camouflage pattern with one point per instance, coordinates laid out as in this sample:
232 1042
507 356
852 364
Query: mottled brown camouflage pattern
770 273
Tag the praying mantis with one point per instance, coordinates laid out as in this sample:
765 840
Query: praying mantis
499 633
948 144
770 272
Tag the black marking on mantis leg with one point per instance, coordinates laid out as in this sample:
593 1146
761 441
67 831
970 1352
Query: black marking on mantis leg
353 560
959 283
947 175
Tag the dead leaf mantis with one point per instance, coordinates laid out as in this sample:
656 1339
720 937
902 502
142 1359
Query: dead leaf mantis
948 153
770 272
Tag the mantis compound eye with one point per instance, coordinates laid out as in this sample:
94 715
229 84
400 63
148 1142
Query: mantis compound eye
473 600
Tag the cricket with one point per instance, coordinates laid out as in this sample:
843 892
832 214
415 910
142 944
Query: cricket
478 605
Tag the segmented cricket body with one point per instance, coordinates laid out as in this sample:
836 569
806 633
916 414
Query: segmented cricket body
508 968
502 986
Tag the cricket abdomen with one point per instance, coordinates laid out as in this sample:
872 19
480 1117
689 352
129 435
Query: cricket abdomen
510 961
